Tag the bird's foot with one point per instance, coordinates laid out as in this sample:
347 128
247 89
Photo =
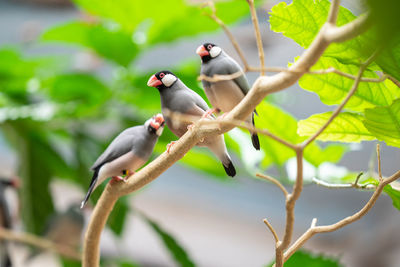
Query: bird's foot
208 113
118 179
170 145
190 127
128 174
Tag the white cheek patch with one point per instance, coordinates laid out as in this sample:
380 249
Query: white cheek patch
147 123
160 130
215 51
168 80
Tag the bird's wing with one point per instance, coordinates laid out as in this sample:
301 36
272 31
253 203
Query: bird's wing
241 81
121 145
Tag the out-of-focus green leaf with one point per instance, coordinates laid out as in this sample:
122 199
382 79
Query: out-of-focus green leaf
117 217
333 88
127 263
112 44
389 58
305 258
180 255
394 195
70 263
81 93
384 123
284 125
346 127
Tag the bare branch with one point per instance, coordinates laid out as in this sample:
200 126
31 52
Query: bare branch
39 242
235 44
275 181
350 219
378 155
396 82
341 186
220 77
254 19
272 230
350 76
344 102
333 12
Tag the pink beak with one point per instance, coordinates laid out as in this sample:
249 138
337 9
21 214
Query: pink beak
201 51
154 82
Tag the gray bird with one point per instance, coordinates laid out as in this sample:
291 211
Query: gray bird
126 153
224 95
177 97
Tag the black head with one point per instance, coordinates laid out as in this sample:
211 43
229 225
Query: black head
208 51
162 79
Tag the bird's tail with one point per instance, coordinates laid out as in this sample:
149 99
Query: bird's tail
91 187
229 168
254 136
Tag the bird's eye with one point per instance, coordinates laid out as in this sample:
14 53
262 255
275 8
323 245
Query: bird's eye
209 47
162 75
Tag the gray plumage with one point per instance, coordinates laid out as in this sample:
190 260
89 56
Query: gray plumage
177 97
224 95
126 153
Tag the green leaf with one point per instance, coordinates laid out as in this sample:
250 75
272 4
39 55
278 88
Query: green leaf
302 20
333 88
81 93
284 125
180 255
117 218
384 123
112 44
394 195
346 127
305 258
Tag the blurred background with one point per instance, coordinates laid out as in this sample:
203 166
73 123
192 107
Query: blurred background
72 76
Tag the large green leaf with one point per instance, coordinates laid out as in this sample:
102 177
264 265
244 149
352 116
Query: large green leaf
305 258
333 88
80 93
384 123
284 125
180 255
112 44
302 20
394 195
346 127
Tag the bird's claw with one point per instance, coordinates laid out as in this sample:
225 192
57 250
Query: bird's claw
208 113
118 179
190 127
170 145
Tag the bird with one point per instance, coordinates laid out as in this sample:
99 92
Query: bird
127 152
5 217
177 97
224 95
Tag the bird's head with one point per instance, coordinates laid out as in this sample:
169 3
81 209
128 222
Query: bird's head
14 182
162 79
208 51
155 125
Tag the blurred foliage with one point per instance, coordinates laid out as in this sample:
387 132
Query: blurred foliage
305 258
58 119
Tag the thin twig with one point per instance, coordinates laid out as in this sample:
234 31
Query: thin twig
378 154
272 230
350 219
220 77
341 186
254 19
275 181
394 80
333 12
40 243
344 102
234 42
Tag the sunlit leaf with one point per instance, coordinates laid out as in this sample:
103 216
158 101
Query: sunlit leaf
333 88
346 127
394 195
384 123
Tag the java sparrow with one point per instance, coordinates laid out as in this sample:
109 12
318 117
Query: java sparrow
126 153
224 95
177 97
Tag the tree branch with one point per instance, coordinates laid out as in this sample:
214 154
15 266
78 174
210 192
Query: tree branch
350 219
39 242
341 186
272 230
274 181
263 86
260 47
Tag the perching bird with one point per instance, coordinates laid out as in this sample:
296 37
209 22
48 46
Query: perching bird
5 218
177 97
126 153
224 95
